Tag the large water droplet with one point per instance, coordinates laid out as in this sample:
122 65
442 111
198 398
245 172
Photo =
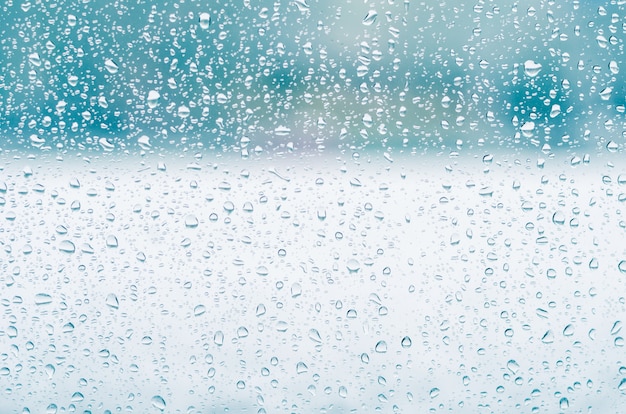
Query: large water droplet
158 402
144 142
111 66
204 19
67 246
199 310
42 299
406 342
191 221
153 99
302 5
531 68
314 336
112 301
353 265
370 17
301 368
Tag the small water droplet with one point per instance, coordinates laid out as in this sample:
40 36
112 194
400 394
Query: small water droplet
434 392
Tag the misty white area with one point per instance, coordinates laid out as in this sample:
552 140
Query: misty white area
211 285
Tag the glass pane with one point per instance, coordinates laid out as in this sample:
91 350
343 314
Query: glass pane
312 206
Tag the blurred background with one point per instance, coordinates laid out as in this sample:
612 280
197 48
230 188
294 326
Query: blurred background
307 75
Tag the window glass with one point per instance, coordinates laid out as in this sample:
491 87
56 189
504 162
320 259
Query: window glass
312 206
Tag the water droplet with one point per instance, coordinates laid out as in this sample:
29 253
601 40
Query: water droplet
353 265
153 99
218 338
381 347
282 131
605 94
144 142
111 66
183 111
513 366
191 221
622 385
49 370
302 5
67 246
547 337
370 17
563 403
434 393
262 271
158 402
34 59
531 68
343 392
111 241
77 397
528 129
42 299
314 336
242 332
406 342
558 218
204 19
199 310
112 301
622 266
568 330
616 328
301 368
